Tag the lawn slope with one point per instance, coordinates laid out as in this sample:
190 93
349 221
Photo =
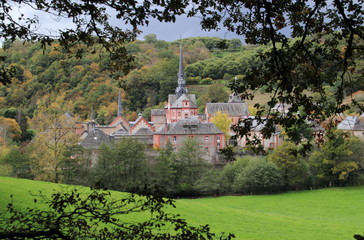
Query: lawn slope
335 213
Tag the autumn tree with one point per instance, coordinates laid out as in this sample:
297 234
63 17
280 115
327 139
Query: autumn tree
55 133
13 162
222 122
9 129
321 48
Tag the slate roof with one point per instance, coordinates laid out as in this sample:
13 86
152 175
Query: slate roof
177 102
231 109
189 126
157 112
257 127
143 131
120 132
352 123
94 139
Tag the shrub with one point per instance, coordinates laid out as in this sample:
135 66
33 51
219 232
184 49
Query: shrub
259 176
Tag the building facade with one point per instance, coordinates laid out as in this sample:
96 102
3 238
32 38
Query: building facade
175 123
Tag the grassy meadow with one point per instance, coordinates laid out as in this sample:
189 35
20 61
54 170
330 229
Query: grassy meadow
335 213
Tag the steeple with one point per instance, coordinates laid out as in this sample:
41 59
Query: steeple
91 124
120 106
181 88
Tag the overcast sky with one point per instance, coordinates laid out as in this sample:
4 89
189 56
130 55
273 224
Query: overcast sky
183 27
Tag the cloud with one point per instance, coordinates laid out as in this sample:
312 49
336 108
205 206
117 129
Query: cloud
183 27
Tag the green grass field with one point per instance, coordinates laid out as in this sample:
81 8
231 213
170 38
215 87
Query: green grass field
336 213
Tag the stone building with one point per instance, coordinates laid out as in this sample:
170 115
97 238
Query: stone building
235 109
207 135
268 143
179 121
119 128
354 125
176 122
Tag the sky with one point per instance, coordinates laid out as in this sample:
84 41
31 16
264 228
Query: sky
183 27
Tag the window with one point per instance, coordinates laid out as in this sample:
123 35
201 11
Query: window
218 138
186 103
186 115
206 149
218 144
232 142
174 138
206 138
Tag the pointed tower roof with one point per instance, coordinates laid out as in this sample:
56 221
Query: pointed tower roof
120 106
181 88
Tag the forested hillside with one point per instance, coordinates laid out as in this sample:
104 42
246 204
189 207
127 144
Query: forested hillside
85 83
88 82
48 83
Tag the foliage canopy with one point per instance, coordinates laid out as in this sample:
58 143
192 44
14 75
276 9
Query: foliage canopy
327 39
97 215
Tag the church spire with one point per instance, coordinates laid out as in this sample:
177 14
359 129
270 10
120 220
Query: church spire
120 106
181 88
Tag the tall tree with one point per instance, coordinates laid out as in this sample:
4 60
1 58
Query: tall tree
190 165
337 161
328 38
9 129
166 169
294 168
122 166
55 134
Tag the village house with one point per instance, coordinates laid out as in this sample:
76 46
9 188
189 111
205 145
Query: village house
176 122
354 125
268 143
235 109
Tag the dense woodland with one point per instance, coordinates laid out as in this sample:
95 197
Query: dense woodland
49 82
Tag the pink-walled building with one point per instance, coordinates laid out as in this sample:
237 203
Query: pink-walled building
179 121
207 135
